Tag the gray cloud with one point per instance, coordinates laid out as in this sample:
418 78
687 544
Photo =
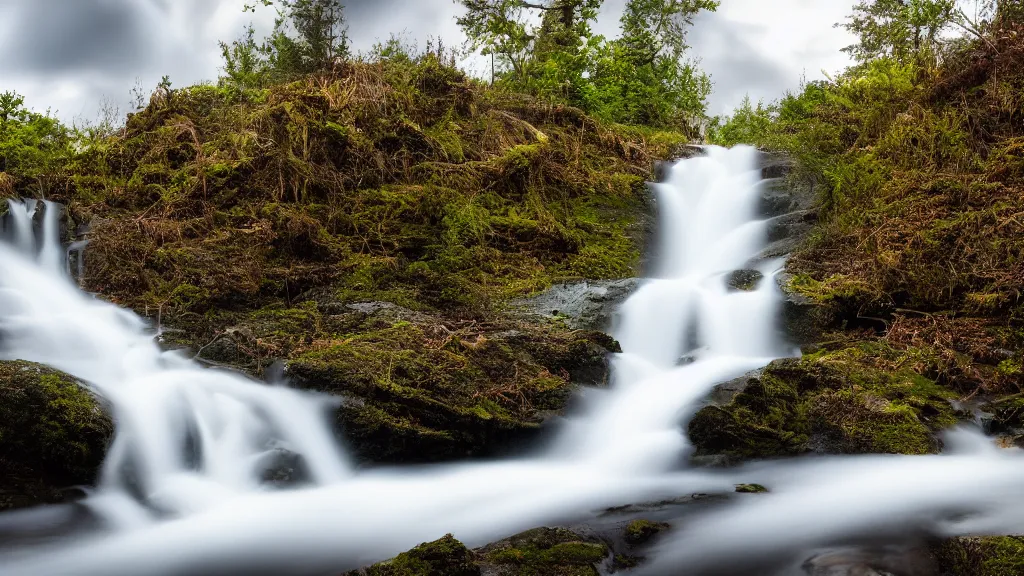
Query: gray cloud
59 36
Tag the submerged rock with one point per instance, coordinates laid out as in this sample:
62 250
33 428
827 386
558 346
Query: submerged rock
744 280
53 434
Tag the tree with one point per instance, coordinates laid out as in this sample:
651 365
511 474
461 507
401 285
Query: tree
643 77
32 145
547 59
309 36
901 29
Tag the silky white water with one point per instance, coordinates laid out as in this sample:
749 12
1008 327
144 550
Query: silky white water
181 491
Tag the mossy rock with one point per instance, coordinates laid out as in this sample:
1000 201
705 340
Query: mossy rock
419 387
544 552
444 557
831 402
640 532
53 434
988 556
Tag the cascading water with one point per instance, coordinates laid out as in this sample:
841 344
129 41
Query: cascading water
182 491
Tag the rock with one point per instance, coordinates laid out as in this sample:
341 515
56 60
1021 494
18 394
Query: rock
750 489
544 552
988 556
744 280
416 388
538 552
53 434
804 320
586 305
640 532
444 557
775 165
834 403
880 561
724 393
776 199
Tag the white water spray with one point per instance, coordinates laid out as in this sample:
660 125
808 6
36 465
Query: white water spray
182 491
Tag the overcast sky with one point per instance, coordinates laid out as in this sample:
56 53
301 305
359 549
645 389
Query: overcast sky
67 55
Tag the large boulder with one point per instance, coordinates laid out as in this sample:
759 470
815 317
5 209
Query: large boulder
836 402
415 386
53 434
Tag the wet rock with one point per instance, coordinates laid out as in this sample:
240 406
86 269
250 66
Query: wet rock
544 552
586 305
416 388
774 165
724 393
804 320
831 403
53 434
744 280
750 489
444 557
640 532
776 199
880 561
988 556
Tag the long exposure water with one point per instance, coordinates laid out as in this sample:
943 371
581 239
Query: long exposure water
182 489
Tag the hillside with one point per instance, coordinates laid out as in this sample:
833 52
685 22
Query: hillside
367 228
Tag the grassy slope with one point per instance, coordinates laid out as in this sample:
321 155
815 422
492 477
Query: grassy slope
249 221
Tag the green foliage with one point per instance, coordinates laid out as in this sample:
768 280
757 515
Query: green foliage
900 29
309 36
641 78
33 146
747 125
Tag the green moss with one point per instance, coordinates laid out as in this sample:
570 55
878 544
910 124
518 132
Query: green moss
750 489
52 430
640 532
547 552
829 401
444 557
990 556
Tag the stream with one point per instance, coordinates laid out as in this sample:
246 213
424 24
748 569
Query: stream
183 489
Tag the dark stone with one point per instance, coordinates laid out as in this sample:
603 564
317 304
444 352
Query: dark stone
53 435
804 320
744 280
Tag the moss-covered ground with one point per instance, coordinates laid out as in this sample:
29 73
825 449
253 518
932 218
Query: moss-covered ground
366 227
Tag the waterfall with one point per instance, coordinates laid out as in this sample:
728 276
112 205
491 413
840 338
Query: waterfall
181 491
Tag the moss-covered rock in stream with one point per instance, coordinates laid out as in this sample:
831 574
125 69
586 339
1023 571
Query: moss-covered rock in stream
53 434
538 552
988 556
544 552
832 402
640 532
415 386
444 557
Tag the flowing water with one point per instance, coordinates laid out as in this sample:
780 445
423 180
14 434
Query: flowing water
182 490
